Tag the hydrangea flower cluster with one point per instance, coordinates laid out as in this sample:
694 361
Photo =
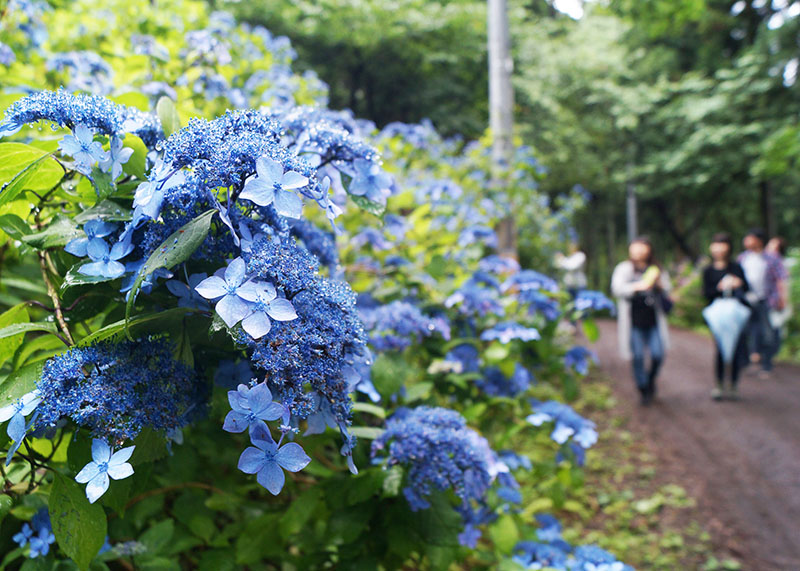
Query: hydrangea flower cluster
117 389
91 111
507 331
439 452
552 552
568 423
587 300
38 535
396 325
495 383
578 359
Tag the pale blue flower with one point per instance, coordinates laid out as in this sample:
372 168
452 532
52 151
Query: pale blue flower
105 262
117 156
94 229
266 304
82 147
231 307
268 460
104 464
271 185
251 407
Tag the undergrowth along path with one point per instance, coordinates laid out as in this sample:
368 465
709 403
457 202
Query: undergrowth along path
741 460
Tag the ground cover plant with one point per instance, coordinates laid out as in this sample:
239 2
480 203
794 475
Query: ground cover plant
245 330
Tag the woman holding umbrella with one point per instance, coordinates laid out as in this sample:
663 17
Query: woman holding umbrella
724 286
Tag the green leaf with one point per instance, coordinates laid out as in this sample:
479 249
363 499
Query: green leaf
38 175
60 231
137 325
137 164
372 409
9 345
183 348
158 537
79 527
75 278
19 382
368 205
102 183
15 157
299 512
17 328
106 210
590 330
170 122
175 249
14 226
366 432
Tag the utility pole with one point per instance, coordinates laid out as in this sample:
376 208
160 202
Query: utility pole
501 107
630 203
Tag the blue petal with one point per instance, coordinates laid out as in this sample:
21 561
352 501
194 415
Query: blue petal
281 310
288 204
97 249
292 457
235 272
259 191
235 422
77 247
252 460
271 477
232 309
16 428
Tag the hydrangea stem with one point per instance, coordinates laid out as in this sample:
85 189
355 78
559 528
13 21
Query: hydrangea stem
51 291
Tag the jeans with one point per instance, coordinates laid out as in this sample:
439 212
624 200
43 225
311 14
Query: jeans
642 340
762 338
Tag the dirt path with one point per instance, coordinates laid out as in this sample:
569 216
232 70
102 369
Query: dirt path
741 460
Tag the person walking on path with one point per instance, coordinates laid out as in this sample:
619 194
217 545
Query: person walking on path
767 279
779 318
641 287
574 279
724 278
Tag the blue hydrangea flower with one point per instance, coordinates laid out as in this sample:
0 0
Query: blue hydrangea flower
250 408
539 303
578 359
16 412
7 55
94 229
39 534
82 147
268 460
104 465
186 293
272 185
370 181
508 331
117 156
265 304
105 262
116 389
231 307
587 300
495 383
568 423
530 279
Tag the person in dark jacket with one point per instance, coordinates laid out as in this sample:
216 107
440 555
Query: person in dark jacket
724 277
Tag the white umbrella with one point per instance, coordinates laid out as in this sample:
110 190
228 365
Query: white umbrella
726 317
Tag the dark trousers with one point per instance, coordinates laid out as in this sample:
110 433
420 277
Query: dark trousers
643 340
739 360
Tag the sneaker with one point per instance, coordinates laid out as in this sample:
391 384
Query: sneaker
716 393
732 394
764 375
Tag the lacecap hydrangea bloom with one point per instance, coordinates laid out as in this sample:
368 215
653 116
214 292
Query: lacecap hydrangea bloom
439 451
